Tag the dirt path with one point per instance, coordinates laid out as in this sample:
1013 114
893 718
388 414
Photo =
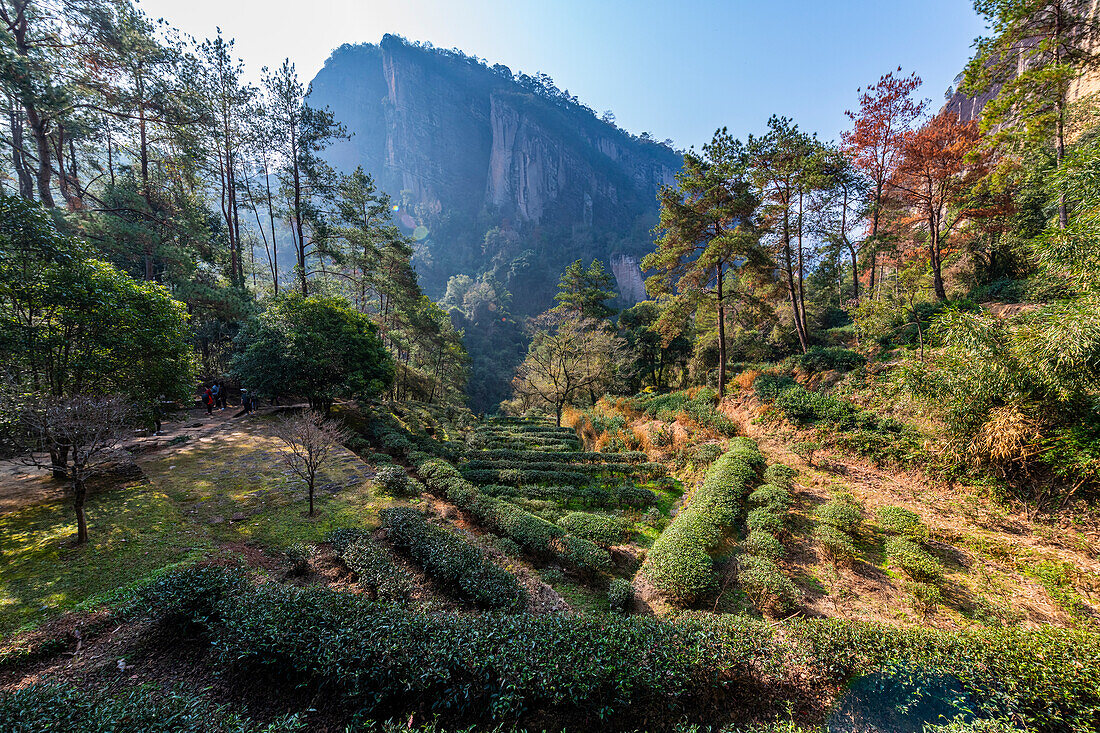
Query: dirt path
22 485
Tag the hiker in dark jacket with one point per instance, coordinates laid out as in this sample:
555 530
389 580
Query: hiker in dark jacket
247 403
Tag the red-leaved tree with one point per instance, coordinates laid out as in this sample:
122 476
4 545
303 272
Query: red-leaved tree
886 116
940 163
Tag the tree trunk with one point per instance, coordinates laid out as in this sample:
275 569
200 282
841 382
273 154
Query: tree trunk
59 459
934 252
79 495
22 170
311 481
721 335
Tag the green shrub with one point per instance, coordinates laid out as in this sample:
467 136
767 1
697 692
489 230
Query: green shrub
912 559
187 596
600 530
619 594
897 520
764 520
768 386
843 513
779 474
763 544
298 554
826 358
706 454
344 537
925 595
65 708
771 497
452 560
679 564
835 544
581 554
376 570
765 585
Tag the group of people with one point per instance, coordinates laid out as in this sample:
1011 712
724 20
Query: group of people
216 396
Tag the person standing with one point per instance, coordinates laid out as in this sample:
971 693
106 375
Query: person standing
215 393
208 400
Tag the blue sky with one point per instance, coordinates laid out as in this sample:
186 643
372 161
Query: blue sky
676 69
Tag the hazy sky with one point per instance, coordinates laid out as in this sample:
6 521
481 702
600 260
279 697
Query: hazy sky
678 69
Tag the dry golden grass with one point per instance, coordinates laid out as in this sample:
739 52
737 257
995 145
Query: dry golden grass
745 379
1008 436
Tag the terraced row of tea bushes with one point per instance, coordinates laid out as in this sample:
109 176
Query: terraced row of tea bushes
631 673
66 708
623 496
647 470
679 564
905 550
386 431
700 409
837 521
520 477
600 530
758 571
375 570
532 533
570 457
450 559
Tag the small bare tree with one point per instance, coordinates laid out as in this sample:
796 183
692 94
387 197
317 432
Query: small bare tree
310 439
88 428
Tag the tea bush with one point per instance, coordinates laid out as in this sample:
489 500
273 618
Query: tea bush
619 594
765 585
780 474
912 559
901 521
377 571
843 513
453 561
764 520
763 544
679 563
66 708
837 545
600 530
581 554
826 358
773 498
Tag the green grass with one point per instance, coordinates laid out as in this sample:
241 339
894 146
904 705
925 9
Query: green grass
133 531
194 501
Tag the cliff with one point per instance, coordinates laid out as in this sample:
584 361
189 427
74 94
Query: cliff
471 152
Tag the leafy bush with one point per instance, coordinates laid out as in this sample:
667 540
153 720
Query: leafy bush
835 544
619 594
188 596
298 554
926 595
395 482
452 560
679 564
765 585
771 497
898 520
344 537
780 474
768 386
706 454
843 513
373 657
64 708
600 530
825 358
764 520
763 544
376 571
581 554
912 559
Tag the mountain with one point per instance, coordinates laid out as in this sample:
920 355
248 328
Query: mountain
496 174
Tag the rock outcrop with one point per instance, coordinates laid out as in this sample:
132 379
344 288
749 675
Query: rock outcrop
465 148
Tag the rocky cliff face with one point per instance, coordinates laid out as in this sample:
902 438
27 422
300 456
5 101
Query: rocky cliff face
466 149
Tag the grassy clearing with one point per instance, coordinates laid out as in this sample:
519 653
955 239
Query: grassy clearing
195 500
